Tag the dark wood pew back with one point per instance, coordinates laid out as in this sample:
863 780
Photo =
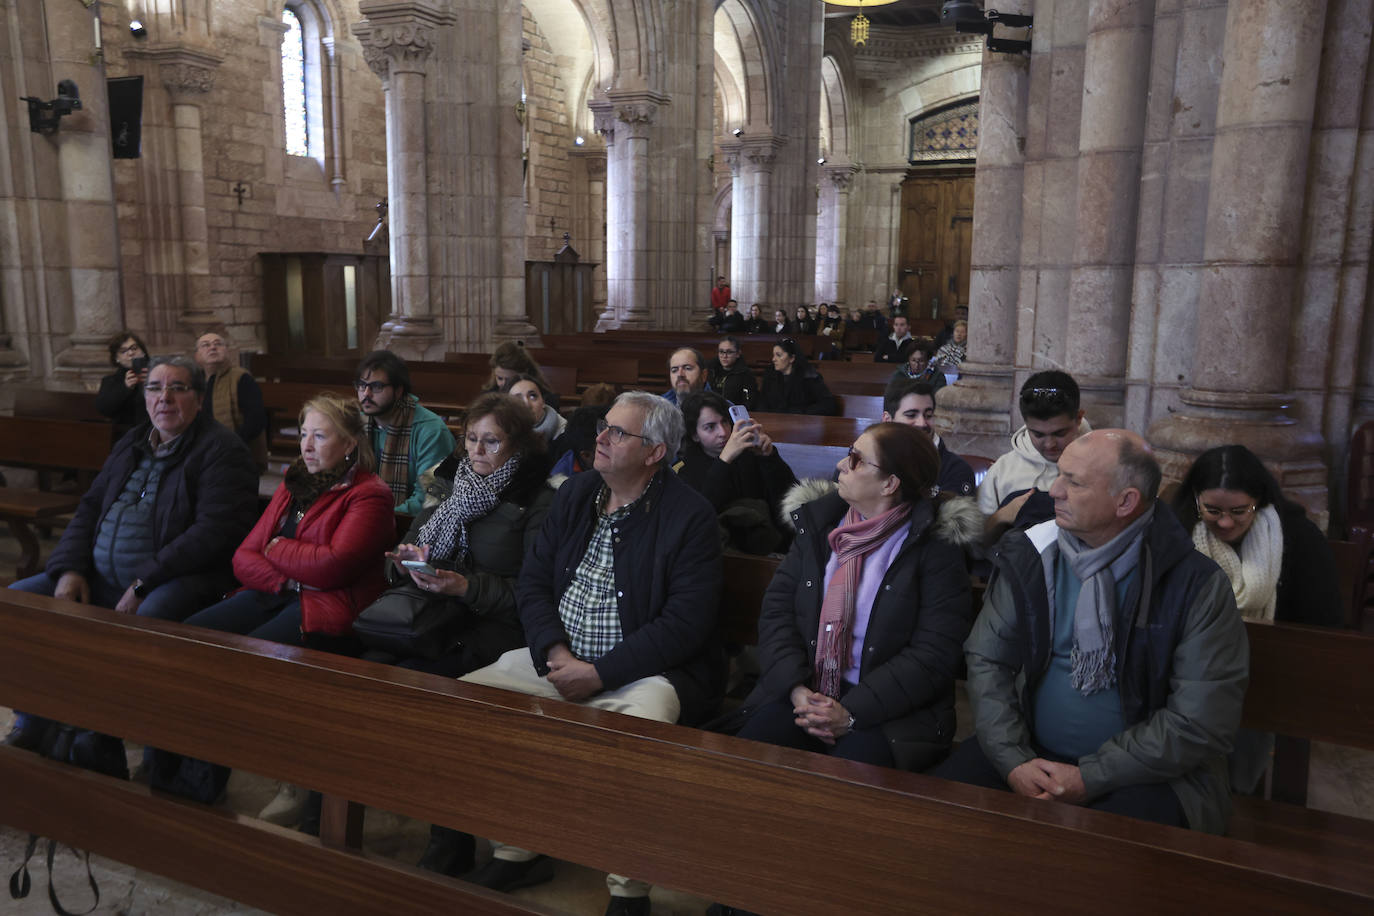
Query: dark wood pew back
712 815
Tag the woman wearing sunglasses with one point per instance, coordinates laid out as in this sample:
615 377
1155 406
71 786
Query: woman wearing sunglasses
861 629
1279 564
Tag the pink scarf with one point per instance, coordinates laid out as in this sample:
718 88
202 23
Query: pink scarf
851 541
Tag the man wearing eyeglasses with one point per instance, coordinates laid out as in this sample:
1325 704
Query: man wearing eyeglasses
232 396
728 376
406 438
1015 491
1108 665
617 598
155 534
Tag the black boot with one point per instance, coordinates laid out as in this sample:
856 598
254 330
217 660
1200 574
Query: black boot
27 732
101 753
310 816
450 852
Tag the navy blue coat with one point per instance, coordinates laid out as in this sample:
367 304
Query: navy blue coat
668 578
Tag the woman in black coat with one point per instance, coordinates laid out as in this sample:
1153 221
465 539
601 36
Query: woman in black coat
793 386
862 627
121 392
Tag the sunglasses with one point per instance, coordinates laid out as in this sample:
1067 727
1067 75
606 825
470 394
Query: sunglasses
856 459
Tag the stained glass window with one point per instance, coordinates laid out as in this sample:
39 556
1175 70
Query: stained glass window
950 134
293 84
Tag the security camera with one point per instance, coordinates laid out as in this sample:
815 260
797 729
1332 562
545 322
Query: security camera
68 98
738 131
44 117
137 29
955 11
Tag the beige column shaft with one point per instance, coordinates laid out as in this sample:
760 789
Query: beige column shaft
1116 66
833 285
188 75
626 119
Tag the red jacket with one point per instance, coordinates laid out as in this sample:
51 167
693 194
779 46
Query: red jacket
719 296
336 554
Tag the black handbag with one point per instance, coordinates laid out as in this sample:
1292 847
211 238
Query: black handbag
407 621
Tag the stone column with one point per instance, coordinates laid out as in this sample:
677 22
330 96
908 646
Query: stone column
832 287
1116 66
398 40
977 405
188 74
624 119
92 309
1239 390
743 256
754 265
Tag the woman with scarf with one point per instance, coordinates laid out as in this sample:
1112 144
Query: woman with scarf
956 351
493 499
1280 566
313 561
862 627
548 423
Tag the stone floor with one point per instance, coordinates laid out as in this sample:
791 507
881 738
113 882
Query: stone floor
1341 781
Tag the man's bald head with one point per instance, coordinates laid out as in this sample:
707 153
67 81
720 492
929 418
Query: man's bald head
1107 479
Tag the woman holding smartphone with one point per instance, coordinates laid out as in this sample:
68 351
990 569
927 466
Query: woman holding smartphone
489 503
121 392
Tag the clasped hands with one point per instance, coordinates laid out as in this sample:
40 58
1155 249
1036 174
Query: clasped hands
820 716
574 679
443 582
1045 779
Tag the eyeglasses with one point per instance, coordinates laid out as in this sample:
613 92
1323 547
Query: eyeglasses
130 349
1043 393
210 345
490 444
371 387
856 459
155 389
617 435
1238 514
721 351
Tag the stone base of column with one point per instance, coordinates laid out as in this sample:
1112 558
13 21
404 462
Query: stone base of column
1103 401
12 362
975 412
85 358
516 329
634 321
1260 422
411 338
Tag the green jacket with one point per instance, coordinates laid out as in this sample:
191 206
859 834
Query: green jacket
1182 667
430 443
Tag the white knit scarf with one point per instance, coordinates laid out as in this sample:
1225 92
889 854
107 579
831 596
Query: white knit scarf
1254 571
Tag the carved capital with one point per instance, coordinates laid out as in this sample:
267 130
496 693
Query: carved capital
842 176
630 112
399 37
603 119
762 152
185 72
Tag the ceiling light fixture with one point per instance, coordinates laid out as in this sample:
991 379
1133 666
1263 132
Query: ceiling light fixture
858 26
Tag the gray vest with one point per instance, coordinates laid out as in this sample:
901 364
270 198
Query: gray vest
124 539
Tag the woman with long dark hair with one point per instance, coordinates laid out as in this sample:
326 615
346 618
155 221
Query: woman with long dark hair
793 385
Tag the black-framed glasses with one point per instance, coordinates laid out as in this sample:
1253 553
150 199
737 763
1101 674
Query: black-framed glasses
856 459
617 435
371 387
1213 513
156 388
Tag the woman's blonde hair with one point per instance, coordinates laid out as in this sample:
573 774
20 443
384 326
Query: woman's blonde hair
345 416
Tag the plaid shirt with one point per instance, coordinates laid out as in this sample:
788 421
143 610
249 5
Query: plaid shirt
588 609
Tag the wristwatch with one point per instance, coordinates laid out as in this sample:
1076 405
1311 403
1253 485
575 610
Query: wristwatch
849 726
141 591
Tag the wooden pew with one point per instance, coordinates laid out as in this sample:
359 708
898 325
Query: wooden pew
707 814
58 405
46 445
808 430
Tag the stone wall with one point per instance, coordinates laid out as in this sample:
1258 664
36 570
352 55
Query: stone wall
549 181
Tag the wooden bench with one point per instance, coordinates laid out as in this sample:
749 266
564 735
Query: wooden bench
58 405
711 815
46 445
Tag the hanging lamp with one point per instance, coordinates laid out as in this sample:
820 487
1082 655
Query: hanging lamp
858 26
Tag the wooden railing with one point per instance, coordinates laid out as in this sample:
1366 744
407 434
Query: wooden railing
765 828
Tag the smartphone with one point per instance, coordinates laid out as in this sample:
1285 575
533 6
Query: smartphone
738 412
140 364
420 566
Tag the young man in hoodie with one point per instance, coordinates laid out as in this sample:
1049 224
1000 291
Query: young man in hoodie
1015 491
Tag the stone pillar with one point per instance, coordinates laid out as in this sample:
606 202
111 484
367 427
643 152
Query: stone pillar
624 119
188 74
94 309
754 257
743 255
1116 68
977 405
1239 390
832 285
398 40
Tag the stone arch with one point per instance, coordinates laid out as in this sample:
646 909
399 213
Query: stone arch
733 105
720 207
582 32
835 110
941 89
739 36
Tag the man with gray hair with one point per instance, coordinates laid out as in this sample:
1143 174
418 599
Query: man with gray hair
1108 665
155 534
617 597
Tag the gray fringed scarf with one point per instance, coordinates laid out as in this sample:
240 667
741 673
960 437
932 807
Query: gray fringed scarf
1093 661
473 496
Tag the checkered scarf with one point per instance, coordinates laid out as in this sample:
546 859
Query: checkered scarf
446 531
393 464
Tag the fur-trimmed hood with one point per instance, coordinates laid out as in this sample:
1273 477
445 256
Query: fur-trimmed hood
957 521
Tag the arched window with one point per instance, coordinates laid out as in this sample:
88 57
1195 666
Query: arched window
303 82
293 84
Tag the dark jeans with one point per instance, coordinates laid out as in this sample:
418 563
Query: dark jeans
774 723
174 599
254 613
1149 802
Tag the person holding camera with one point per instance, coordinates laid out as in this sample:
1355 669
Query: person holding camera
121 392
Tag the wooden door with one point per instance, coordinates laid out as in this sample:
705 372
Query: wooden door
936 240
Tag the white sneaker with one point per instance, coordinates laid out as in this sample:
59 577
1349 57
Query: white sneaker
286 808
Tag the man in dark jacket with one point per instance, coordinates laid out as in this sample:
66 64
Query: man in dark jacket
155 534
896 347
728 375
1108 665
617 598
913 402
